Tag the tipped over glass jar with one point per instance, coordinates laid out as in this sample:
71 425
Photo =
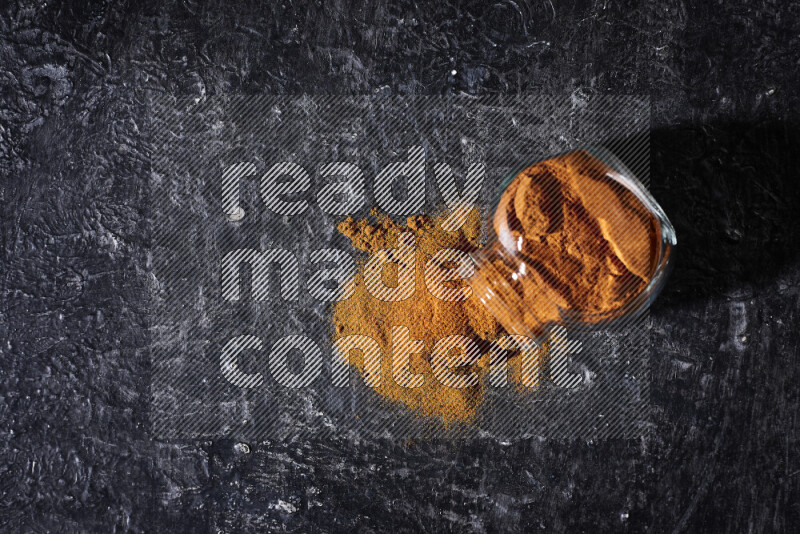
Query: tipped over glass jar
577 240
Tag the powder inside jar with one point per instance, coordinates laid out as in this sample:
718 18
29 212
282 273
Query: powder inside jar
590 243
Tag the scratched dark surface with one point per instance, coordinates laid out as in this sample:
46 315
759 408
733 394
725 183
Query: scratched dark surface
75 456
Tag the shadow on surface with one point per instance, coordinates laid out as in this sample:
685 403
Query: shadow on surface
732 191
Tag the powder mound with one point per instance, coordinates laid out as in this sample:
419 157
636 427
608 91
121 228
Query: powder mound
427 317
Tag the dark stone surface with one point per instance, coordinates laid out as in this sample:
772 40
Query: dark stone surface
723 452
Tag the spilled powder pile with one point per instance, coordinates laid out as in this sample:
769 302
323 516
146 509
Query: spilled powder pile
428 318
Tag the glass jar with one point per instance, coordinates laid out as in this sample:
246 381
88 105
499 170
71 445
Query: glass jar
577 240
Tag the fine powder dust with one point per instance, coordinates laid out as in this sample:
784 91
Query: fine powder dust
589 245
427 317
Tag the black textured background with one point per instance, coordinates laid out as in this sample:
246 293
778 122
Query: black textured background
723 454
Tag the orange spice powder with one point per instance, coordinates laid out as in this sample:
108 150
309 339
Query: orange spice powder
590 244
428 318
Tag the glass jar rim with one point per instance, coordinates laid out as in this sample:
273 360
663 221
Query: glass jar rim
621 174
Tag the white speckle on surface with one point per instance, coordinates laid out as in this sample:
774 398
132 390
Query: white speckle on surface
284 506
736 327
237 215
